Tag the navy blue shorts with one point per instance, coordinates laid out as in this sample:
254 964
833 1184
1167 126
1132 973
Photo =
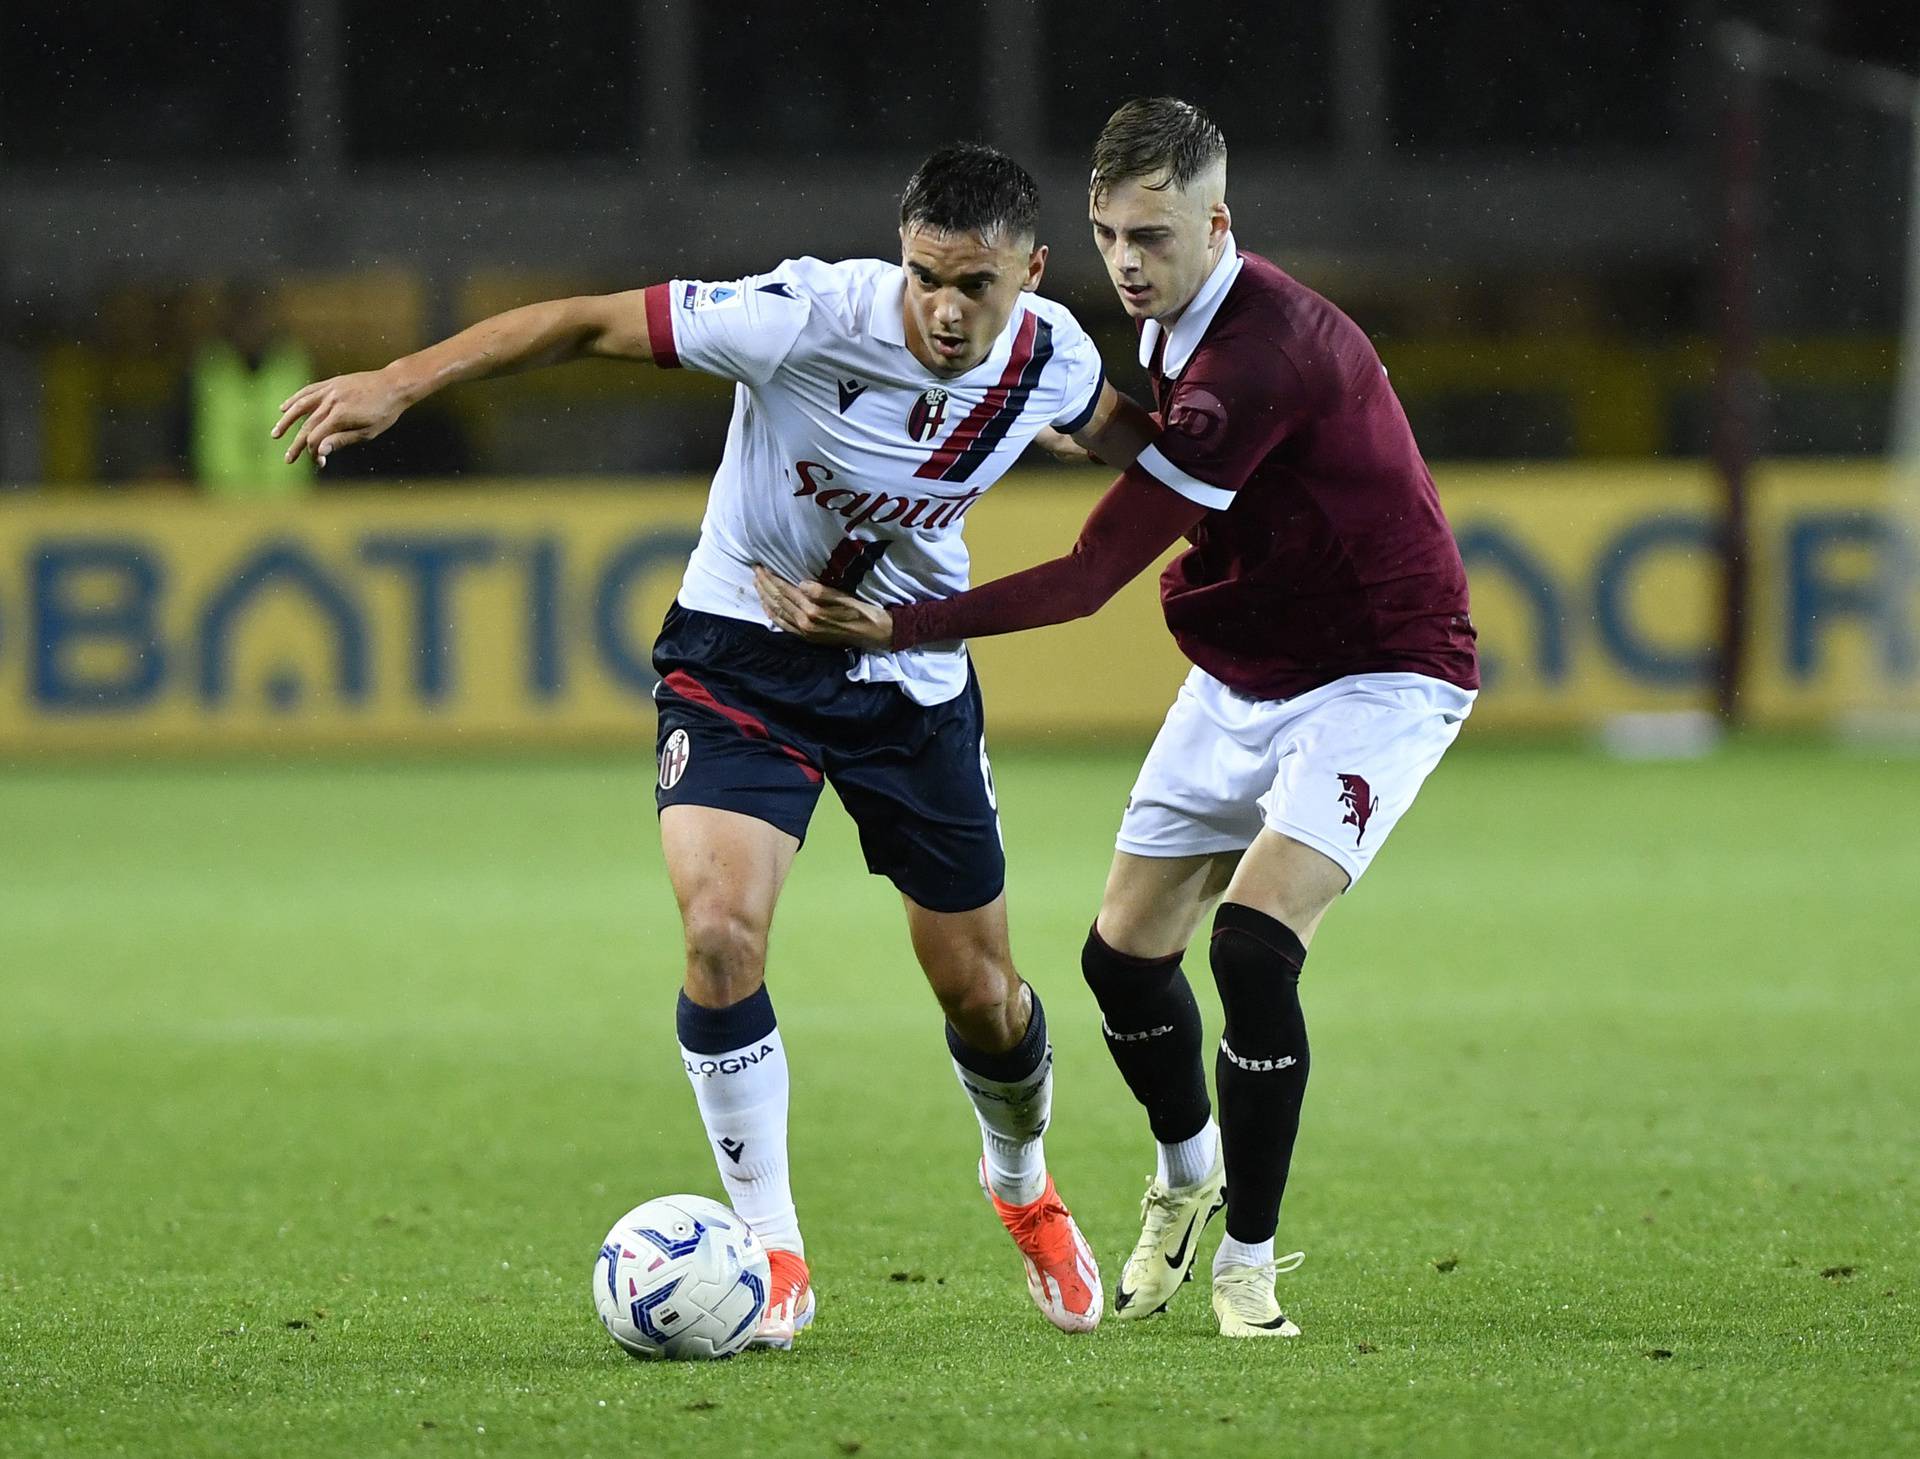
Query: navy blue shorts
755 721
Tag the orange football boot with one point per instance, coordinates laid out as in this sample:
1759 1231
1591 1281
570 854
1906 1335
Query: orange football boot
789 1300
1061 1272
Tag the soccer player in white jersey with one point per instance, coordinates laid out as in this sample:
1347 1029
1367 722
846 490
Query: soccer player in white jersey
875 404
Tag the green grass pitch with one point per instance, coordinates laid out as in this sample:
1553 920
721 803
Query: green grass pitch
319 1085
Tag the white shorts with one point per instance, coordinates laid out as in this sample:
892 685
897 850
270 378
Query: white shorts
1333 768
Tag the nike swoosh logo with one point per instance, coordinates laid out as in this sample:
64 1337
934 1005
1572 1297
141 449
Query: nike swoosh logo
1278 1322
1177 1258
1122 1299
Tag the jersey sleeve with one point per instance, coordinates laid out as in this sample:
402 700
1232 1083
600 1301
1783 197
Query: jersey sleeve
1129 527
742 329
1226 413
1085 374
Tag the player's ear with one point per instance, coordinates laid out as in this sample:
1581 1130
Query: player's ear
1219 222
1036 266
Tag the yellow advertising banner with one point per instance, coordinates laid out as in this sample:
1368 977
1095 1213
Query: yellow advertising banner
524 613
1597 591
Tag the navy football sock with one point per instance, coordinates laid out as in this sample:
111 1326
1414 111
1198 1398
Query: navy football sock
1261 1069
1152 1028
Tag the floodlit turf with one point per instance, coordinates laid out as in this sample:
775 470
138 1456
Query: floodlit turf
320 1084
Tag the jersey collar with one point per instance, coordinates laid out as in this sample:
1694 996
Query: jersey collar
1191 327
887 323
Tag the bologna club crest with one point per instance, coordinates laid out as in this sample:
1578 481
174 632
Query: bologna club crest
929 413
673 759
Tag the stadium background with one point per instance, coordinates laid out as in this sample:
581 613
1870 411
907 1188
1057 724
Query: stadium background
280 958
1544 260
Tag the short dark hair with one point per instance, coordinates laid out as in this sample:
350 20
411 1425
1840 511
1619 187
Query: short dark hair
1151 135
970 188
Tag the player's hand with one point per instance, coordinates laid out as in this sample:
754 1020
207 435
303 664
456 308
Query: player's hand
1062 448
340 412
824 615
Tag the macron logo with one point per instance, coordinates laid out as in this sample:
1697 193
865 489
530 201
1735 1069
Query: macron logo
850 391
1257 1066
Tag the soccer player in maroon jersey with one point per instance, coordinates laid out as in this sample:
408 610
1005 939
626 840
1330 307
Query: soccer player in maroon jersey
1324 607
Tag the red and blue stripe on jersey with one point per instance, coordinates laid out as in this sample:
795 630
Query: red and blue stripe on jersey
987 424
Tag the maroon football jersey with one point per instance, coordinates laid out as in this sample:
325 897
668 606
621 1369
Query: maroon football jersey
1326 552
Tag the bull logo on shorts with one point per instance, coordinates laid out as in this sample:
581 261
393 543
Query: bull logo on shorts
673 759
929 413
1358 797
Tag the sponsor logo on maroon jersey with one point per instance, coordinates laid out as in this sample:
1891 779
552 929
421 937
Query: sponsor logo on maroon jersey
879 508
1358 797
929 413
1198 415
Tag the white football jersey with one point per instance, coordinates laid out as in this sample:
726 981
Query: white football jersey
847 460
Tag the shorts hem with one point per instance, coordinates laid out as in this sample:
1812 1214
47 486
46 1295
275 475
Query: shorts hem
1207 846
967 903
715 803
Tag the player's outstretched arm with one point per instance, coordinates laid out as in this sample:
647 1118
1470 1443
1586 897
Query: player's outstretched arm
1119 430
1128 529
1116 433
351 408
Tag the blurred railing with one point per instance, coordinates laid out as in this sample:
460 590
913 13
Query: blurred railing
1546 397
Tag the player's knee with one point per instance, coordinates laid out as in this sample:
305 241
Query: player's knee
986 1009
1139 932
726 954
1256 961
1107 963
1112 933
1248 944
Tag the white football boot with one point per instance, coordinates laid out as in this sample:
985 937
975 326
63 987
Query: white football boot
1243 1299
1171 1220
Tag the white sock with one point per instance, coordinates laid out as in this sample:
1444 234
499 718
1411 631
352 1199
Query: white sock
1242 1253
1189 1161
1013 1102
1016 1160
742 1095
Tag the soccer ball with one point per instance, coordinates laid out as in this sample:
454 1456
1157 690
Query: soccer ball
680 1277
